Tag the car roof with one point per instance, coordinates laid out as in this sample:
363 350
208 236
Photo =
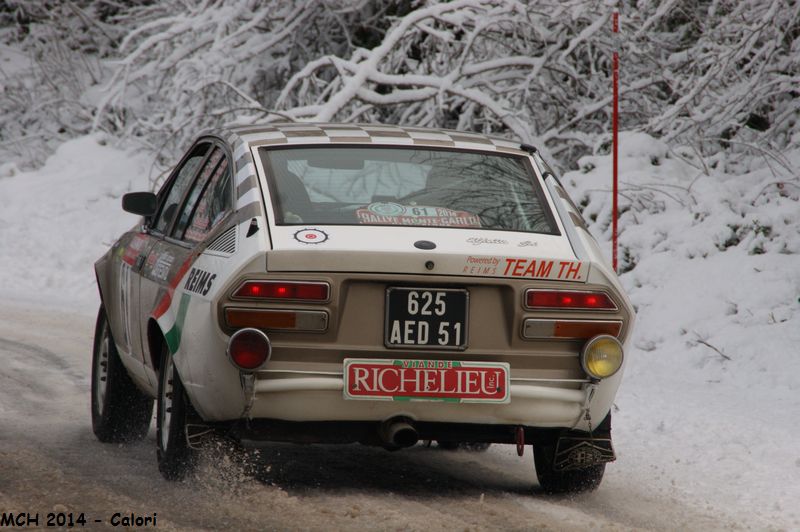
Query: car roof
297 133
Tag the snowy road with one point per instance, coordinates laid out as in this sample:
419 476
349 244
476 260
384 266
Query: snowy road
51 462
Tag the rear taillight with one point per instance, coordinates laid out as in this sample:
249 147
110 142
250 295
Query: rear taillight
285 290
568 300
274 319
249 349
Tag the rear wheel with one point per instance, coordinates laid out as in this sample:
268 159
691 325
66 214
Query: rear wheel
175 458
120 411
569 481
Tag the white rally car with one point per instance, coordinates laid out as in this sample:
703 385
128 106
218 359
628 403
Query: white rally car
361 283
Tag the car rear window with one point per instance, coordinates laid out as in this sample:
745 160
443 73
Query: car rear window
405 186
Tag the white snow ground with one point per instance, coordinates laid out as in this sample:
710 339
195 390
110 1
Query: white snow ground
709 410
707 417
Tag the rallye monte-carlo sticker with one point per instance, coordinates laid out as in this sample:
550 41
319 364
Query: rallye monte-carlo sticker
387 213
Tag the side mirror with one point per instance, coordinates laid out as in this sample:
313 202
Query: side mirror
141 203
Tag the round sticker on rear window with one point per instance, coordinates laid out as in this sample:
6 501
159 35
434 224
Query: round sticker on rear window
311 236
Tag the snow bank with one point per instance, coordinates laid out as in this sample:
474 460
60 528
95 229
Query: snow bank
712 261
709 404
56 221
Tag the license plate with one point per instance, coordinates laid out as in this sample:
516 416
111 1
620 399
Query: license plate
426 318
426 380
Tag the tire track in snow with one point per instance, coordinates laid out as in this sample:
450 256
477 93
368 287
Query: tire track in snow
39 354
35 378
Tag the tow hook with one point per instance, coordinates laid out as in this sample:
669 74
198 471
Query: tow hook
520 439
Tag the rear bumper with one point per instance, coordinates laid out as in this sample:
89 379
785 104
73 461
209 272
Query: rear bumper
257 432
320 398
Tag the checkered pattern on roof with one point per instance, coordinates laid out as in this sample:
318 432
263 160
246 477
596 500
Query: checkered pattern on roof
306 133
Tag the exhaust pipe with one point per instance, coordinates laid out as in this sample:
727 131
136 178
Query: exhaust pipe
397 434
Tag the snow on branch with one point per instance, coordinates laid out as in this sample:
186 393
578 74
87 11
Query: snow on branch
718 76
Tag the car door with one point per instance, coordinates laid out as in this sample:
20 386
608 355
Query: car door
127 264
153 264
177 245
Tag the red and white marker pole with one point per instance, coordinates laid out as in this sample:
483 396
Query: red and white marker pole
615 139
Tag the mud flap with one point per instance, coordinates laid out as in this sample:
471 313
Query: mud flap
197 434
579 453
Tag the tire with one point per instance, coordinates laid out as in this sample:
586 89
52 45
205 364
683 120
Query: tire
121 413
175 458
571 481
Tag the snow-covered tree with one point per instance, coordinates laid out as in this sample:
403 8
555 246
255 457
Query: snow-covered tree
720 76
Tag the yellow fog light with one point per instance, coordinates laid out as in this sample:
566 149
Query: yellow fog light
602 356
